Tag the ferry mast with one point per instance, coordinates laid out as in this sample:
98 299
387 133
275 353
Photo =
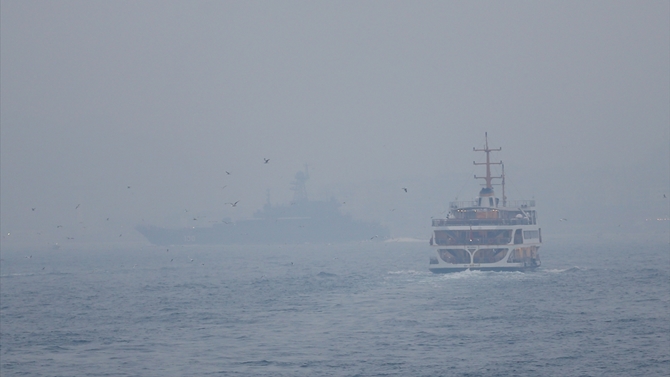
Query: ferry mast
504 198
488 164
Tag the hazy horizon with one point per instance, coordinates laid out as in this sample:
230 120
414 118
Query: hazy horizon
116 114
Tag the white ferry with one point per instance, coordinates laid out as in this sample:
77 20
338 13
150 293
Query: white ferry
489 233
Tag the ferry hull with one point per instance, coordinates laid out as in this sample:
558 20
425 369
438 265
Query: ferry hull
520 257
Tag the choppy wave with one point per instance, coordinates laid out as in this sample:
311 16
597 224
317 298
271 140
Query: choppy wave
408 272
333 312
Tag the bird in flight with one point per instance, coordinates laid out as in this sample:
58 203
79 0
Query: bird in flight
266 160
233 204
77 206
562 219
405 188
33 208
227 172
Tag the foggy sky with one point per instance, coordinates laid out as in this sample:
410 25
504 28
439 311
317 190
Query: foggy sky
165 97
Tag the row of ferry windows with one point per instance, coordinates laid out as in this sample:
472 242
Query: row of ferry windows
483 237
462 256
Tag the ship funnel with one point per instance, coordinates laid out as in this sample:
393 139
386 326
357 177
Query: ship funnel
487 198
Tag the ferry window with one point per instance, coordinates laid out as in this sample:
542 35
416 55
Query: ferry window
531 234
441 237
452 237
517 237
489 255
498 237
454 256
491 202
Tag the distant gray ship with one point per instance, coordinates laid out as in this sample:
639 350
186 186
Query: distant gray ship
302 221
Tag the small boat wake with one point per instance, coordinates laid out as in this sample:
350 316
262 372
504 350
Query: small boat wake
568 270
409 272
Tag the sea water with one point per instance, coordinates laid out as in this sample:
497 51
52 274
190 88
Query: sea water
364 309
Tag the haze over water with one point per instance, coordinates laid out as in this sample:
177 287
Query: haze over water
154 113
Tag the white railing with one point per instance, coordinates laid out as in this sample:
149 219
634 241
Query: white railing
510 203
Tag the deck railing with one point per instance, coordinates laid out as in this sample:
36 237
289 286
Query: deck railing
473 241
474 222
523 204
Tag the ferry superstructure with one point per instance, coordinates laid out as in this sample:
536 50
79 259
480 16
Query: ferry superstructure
487 233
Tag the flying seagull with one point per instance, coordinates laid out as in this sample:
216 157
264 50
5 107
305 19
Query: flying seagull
227 172
233 204
77 206
266 160
405 188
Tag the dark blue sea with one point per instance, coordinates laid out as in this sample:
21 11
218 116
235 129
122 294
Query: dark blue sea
367 309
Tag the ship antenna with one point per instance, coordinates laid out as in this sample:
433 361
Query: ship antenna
488 162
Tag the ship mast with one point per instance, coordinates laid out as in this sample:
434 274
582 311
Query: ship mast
298 186
488 162
503 186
